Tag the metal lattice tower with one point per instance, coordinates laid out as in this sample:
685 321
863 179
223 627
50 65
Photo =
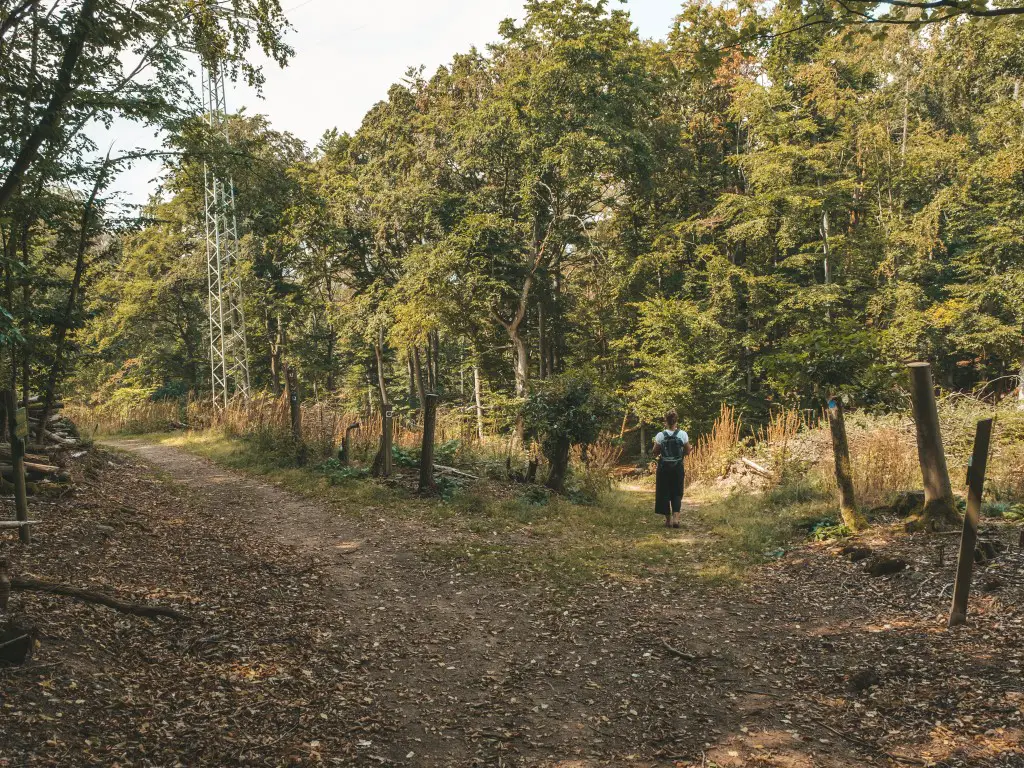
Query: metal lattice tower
229 354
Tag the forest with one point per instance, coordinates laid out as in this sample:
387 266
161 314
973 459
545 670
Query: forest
798 224
744 212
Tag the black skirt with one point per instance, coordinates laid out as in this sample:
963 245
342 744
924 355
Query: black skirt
668 488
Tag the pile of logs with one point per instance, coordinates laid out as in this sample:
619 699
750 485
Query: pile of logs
37 467
40 467
59 433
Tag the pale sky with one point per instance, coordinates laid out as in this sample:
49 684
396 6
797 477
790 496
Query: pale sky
347 54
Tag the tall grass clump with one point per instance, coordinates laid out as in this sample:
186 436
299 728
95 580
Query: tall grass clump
714 452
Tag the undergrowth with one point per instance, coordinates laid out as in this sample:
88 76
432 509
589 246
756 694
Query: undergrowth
523 531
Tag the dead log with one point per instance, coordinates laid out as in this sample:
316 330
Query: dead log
85 595
453 471
757 468
59 439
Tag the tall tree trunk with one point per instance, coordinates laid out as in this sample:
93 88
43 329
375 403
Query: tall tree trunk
435 356
1020 384
411 370
382 461
421 387
825 248
332 340
559 465
46 129
521 361
542 342
60 331
26 303
277 341
427 484
478 400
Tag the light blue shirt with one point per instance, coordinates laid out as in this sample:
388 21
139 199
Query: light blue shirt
660 437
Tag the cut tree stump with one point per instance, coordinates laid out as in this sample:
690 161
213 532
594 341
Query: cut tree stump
16 644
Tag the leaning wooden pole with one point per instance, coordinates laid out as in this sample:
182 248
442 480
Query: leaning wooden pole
844 470
427 484
939 505
969 539
17 423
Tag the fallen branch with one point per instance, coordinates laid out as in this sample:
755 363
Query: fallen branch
16 523
866 744
756 468
452 470
12 641
136 609
677 652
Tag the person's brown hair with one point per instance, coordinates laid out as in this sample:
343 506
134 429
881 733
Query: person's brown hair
672 418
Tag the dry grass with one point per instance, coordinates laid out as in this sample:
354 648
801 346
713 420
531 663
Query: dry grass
779 435
713 453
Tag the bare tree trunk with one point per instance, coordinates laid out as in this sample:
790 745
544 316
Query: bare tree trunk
435 361
412 378
522 363
276 347
60 331
382 462
827 251
421 388
478 400
542 347
559 466
427 484
1020 384
17 460
939 505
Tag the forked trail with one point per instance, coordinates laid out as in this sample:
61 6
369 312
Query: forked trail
321 637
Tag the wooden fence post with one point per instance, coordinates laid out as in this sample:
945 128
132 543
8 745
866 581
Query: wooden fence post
844 472
345 454
939 506
969 539
291 380
17 423
427 483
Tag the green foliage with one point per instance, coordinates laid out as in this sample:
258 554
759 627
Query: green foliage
337 474
767 206
566 411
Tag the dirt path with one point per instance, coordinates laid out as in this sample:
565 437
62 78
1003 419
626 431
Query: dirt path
322 637
474 672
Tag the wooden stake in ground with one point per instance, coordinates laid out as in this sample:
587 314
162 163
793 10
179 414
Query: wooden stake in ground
939 506
345 456
969 539
382 463
291 380
17 422
844 471
427 484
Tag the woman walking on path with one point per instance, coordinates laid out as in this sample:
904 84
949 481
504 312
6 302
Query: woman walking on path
671 446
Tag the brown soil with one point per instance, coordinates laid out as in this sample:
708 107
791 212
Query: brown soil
317 639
